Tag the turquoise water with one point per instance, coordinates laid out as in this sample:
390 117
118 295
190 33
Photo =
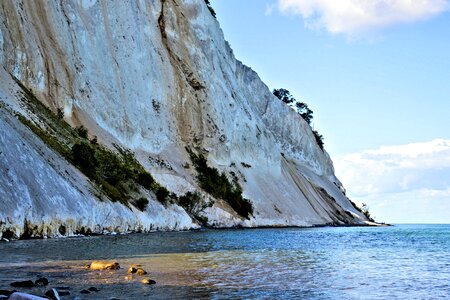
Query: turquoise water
399 262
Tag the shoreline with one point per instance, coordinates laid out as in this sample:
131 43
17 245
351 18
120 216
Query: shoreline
371 224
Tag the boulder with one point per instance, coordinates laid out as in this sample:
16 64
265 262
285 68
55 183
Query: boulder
128 277
104 265
133 268
148 281
141 272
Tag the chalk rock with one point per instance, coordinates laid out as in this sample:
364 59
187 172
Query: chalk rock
24 296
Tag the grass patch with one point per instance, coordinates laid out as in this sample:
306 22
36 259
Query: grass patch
46 137
218 185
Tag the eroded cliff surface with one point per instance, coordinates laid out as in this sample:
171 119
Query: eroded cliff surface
156 77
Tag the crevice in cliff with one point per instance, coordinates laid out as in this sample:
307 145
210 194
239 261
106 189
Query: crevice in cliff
190 122
14 29
162 26
176 61
265 108
46 31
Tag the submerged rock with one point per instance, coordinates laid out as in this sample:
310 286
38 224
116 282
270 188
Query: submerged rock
84 292
93 289
64 293
25 283
6 293
128 277
41 282
53 294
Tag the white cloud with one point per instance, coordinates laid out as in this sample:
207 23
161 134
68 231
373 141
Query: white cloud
407 207
397 168
412 174
355 17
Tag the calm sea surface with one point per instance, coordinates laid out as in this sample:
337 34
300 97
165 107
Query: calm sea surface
399 262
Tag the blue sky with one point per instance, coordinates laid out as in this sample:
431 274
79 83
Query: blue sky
377 76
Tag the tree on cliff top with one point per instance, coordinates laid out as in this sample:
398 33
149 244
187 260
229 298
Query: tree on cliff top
302 109
284 95
211 10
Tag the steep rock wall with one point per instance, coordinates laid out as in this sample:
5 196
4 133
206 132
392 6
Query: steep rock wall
44 196
157 76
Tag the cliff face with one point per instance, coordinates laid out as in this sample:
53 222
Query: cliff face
155 77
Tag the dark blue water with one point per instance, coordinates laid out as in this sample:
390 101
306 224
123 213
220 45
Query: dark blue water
399 262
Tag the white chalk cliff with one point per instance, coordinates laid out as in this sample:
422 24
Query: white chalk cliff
153 76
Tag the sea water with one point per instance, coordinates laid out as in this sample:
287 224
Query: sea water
398 262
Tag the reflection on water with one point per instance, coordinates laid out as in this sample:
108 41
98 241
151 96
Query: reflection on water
402 262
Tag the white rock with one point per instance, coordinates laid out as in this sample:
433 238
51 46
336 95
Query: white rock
24 296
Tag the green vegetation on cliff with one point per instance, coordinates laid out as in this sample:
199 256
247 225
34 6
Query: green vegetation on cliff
218 185
117 174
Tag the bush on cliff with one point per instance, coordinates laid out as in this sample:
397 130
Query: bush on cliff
218 185
194 204
364 209
83 156
141 203
319 138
